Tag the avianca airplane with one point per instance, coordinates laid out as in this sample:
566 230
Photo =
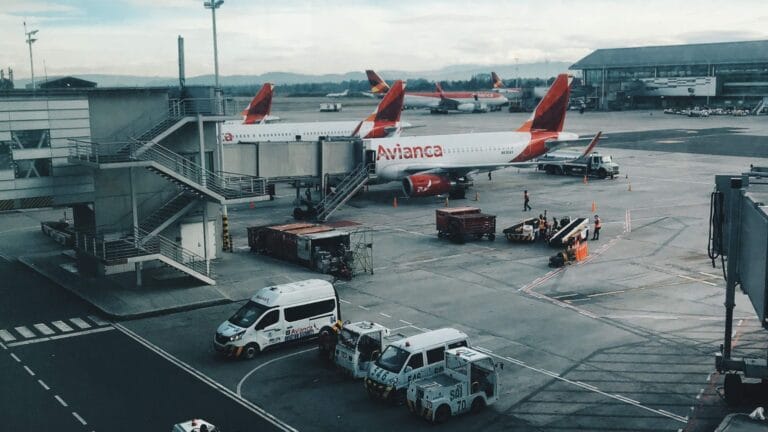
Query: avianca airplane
338 95
440 101
439 164
385 121
499 87
257 112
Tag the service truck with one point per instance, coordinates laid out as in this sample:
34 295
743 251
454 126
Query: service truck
195 425
359 344
593 165
468 383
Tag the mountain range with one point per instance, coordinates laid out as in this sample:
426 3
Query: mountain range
449 73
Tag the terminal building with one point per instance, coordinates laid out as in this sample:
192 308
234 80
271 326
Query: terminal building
139 169
727 74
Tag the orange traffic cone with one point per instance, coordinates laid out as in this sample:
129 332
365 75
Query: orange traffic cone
252 205
394 202
594 206
585 179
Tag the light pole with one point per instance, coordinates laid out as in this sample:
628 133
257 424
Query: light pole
30 41
213 5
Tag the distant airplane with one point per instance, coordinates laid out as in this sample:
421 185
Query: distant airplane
259 108
384 122
338 95
439 164
499 87
441 101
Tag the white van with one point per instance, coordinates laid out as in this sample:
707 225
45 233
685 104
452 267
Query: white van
410 359
278 314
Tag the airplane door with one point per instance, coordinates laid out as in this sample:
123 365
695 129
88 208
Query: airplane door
370 160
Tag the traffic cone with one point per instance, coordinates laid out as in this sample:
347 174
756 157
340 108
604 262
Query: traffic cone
477 196
594 206
394 202
630 187
252 205
585 179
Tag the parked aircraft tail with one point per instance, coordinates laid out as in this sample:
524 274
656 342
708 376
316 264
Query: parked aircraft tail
497 82
260 106
385 120
549 114
378 85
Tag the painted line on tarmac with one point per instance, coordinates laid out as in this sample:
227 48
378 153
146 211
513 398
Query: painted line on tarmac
696 280
61 401
61 336
385 315
15 357
207 380
43 384
406 322
2 345
344 301
588 387
80 419
29 371
363 307
240 384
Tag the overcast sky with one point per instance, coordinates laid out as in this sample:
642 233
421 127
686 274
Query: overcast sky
138 37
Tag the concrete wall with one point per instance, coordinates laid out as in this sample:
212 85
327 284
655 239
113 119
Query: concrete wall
112 197
117 115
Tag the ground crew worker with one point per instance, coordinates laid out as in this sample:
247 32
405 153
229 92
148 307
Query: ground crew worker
542 227
554 224
598 225
526 200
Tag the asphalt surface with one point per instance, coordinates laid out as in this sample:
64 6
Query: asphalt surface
77 372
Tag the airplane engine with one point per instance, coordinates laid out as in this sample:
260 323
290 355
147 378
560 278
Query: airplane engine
466 107
422 185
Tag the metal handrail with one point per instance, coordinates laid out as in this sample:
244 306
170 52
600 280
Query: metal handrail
228 187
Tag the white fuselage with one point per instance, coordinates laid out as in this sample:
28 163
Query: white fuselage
312 131
399 157
432 100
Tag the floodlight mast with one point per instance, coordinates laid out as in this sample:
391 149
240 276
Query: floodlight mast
30 41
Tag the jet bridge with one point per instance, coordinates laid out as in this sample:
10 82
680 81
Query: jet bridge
739 231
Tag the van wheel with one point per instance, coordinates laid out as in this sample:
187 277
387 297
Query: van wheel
477 405
602 173
251 350
442 414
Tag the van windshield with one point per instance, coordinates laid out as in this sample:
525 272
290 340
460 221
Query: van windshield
393 359
248 314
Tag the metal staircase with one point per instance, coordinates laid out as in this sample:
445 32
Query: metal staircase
161 130
139 247
352 183
167 214
172 166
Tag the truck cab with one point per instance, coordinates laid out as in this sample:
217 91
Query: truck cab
469 383
601 165
360 344
195 425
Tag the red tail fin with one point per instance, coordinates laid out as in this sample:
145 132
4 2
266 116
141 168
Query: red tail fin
592 144
387 114
439 89
497 82
549 115
260 106
378 85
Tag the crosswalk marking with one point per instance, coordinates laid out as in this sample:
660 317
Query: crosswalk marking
62 326
6 336
44 329
97 320
80 323
27 333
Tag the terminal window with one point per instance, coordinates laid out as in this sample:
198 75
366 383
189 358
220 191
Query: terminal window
32 168
31 139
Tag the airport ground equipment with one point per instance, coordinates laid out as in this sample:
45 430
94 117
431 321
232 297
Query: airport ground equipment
195 425
594 165
578 227
459 222
469 383
739 231
60 231
343 191
319 247
524 231
359 344
330 107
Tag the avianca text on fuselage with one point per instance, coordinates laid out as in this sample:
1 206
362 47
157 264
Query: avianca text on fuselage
408 152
